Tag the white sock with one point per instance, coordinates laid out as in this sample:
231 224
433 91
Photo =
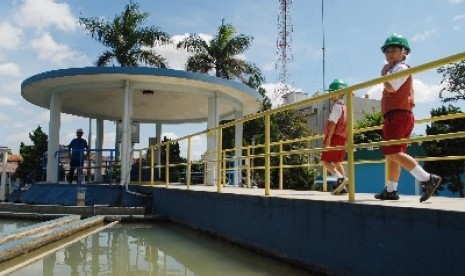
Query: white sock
338 175
391 186
420 174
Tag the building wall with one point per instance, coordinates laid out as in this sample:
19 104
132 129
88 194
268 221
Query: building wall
319 112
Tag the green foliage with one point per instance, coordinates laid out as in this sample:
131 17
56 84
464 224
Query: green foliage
175 158
33 155
453 81
289 125
220 54
450 170
369 120
128 40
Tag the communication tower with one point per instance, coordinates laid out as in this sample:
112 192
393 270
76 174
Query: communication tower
283 44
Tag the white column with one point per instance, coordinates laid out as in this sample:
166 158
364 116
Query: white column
212 139
238 135
4 154
158 130
53 138
126 135
89 144
98 154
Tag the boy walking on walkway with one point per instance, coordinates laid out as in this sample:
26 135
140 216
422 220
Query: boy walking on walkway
335 134
397 103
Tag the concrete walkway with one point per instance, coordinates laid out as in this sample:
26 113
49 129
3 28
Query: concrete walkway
413 201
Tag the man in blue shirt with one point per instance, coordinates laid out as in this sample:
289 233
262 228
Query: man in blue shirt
78 151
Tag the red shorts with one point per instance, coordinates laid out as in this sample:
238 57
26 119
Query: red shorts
398 124
335 155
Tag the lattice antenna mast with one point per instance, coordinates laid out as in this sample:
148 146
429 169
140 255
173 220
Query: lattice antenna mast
283 44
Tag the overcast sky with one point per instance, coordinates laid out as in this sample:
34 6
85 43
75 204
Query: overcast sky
43 35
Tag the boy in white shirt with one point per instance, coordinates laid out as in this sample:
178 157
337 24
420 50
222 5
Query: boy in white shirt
335 134
397 103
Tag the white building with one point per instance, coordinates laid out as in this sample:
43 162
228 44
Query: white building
318 112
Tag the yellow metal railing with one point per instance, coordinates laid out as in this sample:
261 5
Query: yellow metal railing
220 158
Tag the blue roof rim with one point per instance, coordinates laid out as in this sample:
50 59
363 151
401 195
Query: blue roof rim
149 71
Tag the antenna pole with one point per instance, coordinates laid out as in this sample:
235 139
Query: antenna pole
323 29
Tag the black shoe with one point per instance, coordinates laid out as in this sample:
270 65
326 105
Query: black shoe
341 188
385 195
430 186
344 190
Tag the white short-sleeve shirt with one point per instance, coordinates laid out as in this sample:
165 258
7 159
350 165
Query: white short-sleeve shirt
336 111
397 83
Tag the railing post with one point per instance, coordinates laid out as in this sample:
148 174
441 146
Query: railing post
267 154
140 167
152 164
167 165
247 168
223 169
350 146
188 169
325 179
219 157
281 163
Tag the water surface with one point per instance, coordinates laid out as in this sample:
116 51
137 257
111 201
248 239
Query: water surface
155 249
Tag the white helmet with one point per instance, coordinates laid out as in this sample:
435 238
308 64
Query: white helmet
79 130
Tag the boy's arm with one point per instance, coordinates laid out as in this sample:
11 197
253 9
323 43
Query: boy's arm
394 85
387 86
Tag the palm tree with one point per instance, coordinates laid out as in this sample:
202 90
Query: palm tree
129 42
219 55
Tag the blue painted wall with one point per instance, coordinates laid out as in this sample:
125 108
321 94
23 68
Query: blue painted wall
95 194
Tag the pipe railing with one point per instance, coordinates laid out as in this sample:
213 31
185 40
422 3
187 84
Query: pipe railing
268 153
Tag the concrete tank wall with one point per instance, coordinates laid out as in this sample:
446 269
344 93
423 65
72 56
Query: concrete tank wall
332 237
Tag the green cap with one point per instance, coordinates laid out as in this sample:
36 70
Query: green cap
336 85
396 40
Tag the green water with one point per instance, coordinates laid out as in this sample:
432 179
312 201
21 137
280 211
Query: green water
155 249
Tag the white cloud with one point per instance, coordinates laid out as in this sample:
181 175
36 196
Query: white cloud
43 116
5 101
176 58
42 14
4 118
459 17
269 67
455 1
10 36
9 69
48 49
425 35
424 93
11 87
15 139
274 91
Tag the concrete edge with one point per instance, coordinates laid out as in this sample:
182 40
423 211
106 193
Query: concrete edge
36 228
26 244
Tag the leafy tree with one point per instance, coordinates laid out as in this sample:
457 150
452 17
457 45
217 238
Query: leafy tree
450 170
288 125
369 120
33 155
453 81
175 158
219 55
128 40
